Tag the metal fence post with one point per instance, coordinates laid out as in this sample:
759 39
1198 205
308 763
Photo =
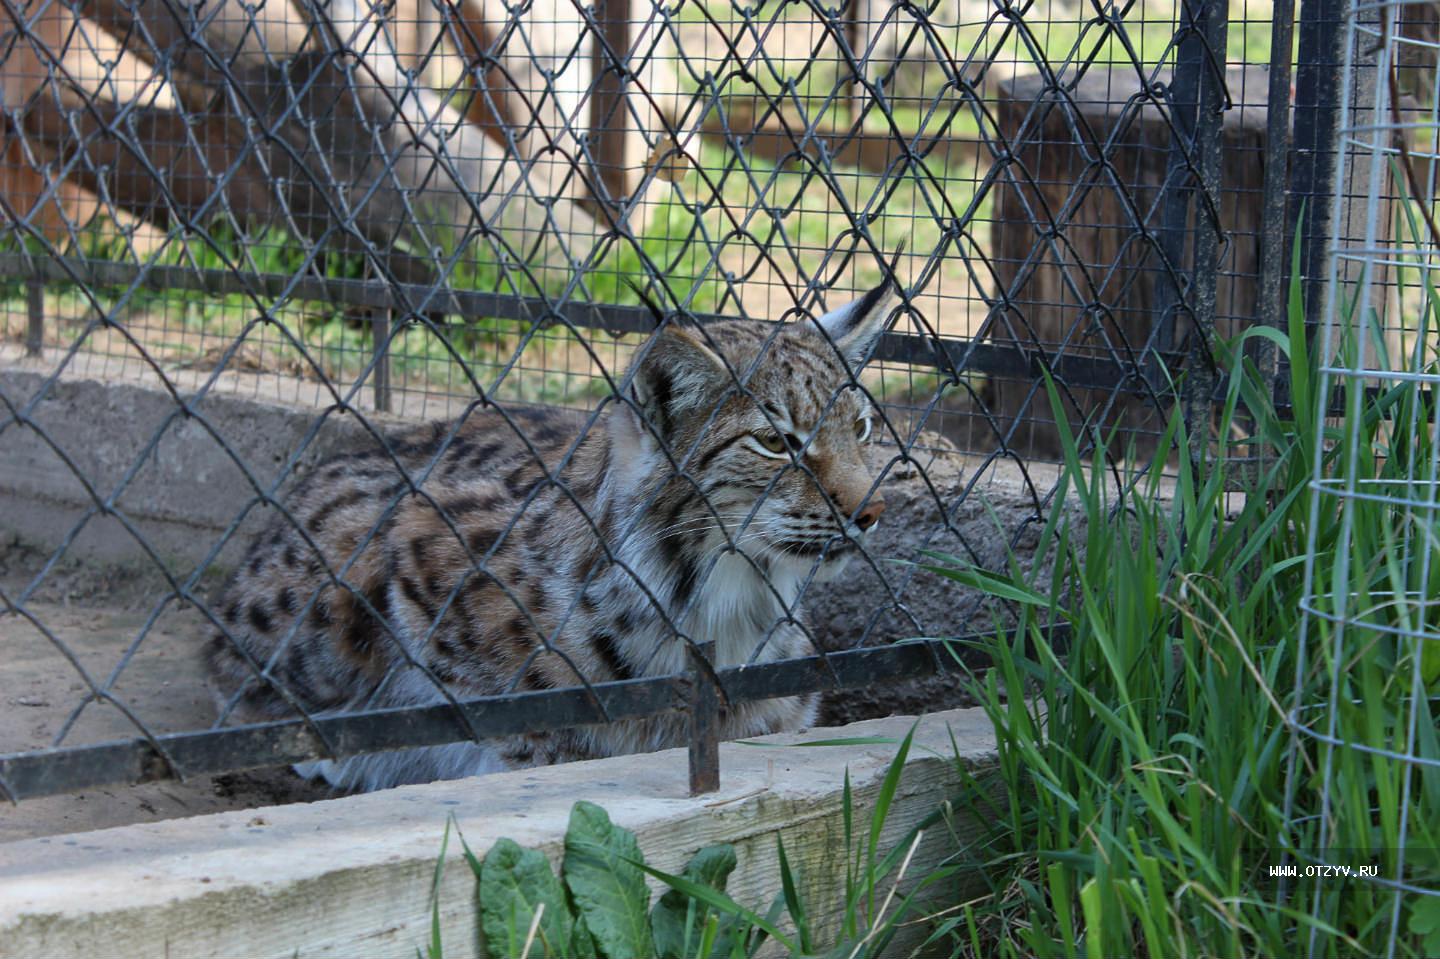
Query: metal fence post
607 100
380 347
1182 97
854 10
1274 240
1200 371
35 322
1316 145
704 721
1313 181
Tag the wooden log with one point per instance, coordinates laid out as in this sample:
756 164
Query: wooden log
780 135
166 166
23 195
457 180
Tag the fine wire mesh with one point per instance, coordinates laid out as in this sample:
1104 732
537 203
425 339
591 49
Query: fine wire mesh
1365 773
292 204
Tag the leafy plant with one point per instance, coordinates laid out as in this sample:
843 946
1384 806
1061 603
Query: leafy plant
605 882
686 926
1153 773
522 900
599 905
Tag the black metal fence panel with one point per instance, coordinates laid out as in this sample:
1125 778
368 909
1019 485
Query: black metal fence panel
689 295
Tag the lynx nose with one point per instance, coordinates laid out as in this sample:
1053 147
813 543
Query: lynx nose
870 515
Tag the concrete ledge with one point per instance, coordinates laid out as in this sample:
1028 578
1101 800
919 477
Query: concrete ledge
187 489
352 876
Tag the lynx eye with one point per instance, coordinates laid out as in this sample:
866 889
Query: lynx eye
775 442
862 428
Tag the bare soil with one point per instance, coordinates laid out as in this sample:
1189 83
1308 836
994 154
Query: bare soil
94 616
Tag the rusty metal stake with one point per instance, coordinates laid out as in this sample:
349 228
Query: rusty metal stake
704 721
853 11
380 339
35 326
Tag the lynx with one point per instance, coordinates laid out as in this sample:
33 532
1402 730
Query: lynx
513 555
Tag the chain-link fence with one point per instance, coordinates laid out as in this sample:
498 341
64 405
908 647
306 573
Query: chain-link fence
595 245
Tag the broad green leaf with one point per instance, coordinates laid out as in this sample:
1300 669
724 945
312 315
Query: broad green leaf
608 888
514 882
582 944
1425 922
678 921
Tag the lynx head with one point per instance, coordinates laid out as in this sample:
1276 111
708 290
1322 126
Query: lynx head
763 425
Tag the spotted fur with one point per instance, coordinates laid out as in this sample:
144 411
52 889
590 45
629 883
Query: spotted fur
504 553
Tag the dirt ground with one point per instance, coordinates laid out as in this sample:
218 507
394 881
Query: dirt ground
96 616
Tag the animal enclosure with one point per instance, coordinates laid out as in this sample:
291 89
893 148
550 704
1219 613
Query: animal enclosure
278 233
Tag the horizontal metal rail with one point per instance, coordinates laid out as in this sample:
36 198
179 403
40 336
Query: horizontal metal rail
28 775
955 353
945 353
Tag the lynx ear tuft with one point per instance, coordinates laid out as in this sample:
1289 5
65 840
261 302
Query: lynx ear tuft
855 327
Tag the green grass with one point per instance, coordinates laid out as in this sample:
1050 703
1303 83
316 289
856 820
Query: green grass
1152 778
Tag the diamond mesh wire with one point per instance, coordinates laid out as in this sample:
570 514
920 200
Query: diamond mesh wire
432 211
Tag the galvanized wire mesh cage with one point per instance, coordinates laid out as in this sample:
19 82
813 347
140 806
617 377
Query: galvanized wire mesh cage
457 212
1365 778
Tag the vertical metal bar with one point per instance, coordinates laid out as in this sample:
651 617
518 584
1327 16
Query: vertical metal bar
1270 285
608 115
380 347
35 322
1183 97
1200 372
1329 207
853 12
1313 156
704 721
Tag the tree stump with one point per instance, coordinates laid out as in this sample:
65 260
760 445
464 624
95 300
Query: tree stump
1076 250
